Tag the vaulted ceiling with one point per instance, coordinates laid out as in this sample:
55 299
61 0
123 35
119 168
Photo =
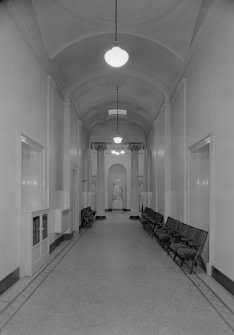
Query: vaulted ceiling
156 33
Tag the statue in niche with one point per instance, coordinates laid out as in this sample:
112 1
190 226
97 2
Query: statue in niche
117 189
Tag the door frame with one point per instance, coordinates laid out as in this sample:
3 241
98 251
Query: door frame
209 139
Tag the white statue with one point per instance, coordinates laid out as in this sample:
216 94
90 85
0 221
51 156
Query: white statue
117 189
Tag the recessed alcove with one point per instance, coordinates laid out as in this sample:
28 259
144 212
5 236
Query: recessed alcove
34 230
32 175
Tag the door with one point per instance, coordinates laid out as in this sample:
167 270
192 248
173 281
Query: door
199 190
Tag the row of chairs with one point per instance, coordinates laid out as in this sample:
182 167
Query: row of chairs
87 217
149 219
183 241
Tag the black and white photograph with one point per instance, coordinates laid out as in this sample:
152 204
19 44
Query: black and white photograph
117 167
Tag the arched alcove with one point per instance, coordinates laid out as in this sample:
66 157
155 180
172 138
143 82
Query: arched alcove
117 171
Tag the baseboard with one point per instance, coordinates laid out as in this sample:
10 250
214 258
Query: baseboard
100 217
56 243
68 236
9 280
120 210
226 282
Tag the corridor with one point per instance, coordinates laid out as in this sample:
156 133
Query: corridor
114 280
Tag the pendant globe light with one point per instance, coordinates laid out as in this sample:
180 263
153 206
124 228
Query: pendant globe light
116 57
117 139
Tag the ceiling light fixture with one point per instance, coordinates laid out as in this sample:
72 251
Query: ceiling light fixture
117 139
116 57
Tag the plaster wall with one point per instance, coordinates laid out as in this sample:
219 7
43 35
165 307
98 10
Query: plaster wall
178 154
24 110
210 105
151 149
156 145
160 163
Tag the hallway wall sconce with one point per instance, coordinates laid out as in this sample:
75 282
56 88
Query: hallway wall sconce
116 56
117 139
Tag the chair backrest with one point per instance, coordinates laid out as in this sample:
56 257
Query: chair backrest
172 223
189 232
157 217
182 228
200 237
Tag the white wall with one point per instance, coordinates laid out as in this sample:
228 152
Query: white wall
157 145
33 105
209 110
23 96
152 154
178 154
160 162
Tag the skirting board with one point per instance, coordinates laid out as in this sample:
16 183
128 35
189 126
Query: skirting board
134 217
59 240
9 280
100 217
226 282
121 210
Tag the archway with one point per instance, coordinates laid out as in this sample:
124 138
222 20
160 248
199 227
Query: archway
117 171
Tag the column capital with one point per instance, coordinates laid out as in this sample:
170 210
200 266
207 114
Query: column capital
101 146
135 146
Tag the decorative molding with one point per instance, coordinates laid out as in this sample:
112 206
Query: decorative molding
200 40
12 9
99 146
135 146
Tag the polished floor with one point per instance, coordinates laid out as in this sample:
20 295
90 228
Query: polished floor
114 280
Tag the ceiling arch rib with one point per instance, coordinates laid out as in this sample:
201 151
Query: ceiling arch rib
106 96
86 56
91 83
130 75
125 102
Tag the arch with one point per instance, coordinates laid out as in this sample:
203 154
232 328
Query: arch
117 170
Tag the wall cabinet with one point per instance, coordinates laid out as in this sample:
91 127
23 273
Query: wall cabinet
34 241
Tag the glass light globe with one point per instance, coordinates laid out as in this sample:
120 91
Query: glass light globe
113 152
117 139
117 153
122 152
116 57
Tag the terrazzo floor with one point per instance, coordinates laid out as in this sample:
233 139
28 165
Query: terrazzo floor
114 280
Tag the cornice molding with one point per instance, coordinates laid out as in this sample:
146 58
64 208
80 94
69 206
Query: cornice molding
101 146
200 41
12 9
135 146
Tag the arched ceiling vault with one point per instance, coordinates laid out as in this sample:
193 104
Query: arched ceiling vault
156 33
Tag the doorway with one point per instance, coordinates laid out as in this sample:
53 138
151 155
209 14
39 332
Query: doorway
199 189
74 224
117 172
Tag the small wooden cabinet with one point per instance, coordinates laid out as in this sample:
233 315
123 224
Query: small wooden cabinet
34 241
